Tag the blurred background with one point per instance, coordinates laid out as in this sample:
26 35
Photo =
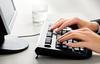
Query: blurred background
89 8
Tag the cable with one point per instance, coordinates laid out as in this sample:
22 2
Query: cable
29 35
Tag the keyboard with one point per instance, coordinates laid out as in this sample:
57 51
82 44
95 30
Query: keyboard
48 45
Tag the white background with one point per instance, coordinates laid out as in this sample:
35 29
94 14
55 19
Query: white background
88 9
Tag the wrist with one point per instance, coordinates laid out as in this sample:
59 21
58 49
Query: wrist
94 26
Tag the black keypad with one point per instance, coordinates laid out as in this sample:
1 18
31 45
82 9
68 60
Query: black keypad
52 47
59 45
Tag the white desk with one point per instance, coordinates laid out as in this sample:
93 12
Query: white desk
24 26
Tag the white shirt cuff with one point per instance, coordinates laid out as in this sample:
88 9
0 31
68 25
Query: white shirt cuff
98 30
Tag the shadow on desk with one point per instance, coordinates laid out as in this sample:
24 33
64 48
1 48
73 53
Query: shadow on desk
95 59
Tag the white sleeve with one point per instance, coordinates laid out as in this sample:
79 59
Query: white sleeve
98 30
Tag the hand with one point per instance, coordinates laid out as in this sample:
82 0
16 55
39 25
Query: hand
88 38
62 23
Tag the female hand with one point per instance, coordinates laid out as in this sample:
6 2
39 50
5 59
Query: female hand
62 23
88 38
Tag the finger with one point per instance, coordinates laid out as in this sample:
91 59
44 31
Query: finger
66 34
76 44
67 23
72 35
57 24
84 29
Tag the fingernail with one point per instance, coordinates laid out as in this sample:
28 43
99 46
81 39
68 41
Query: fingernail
59 37
51 27
59 40
56 30
67 44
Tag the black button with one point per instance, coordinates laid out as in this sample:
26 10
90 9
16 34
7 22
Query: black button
64 46
48 40
57 45
47 45
49 34
63 32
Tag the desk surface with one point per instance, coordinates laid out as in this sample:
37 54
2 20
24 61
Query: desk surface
24 26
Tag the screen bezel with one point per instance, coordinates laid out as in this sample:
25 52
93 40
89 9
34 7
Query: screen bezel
10 26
